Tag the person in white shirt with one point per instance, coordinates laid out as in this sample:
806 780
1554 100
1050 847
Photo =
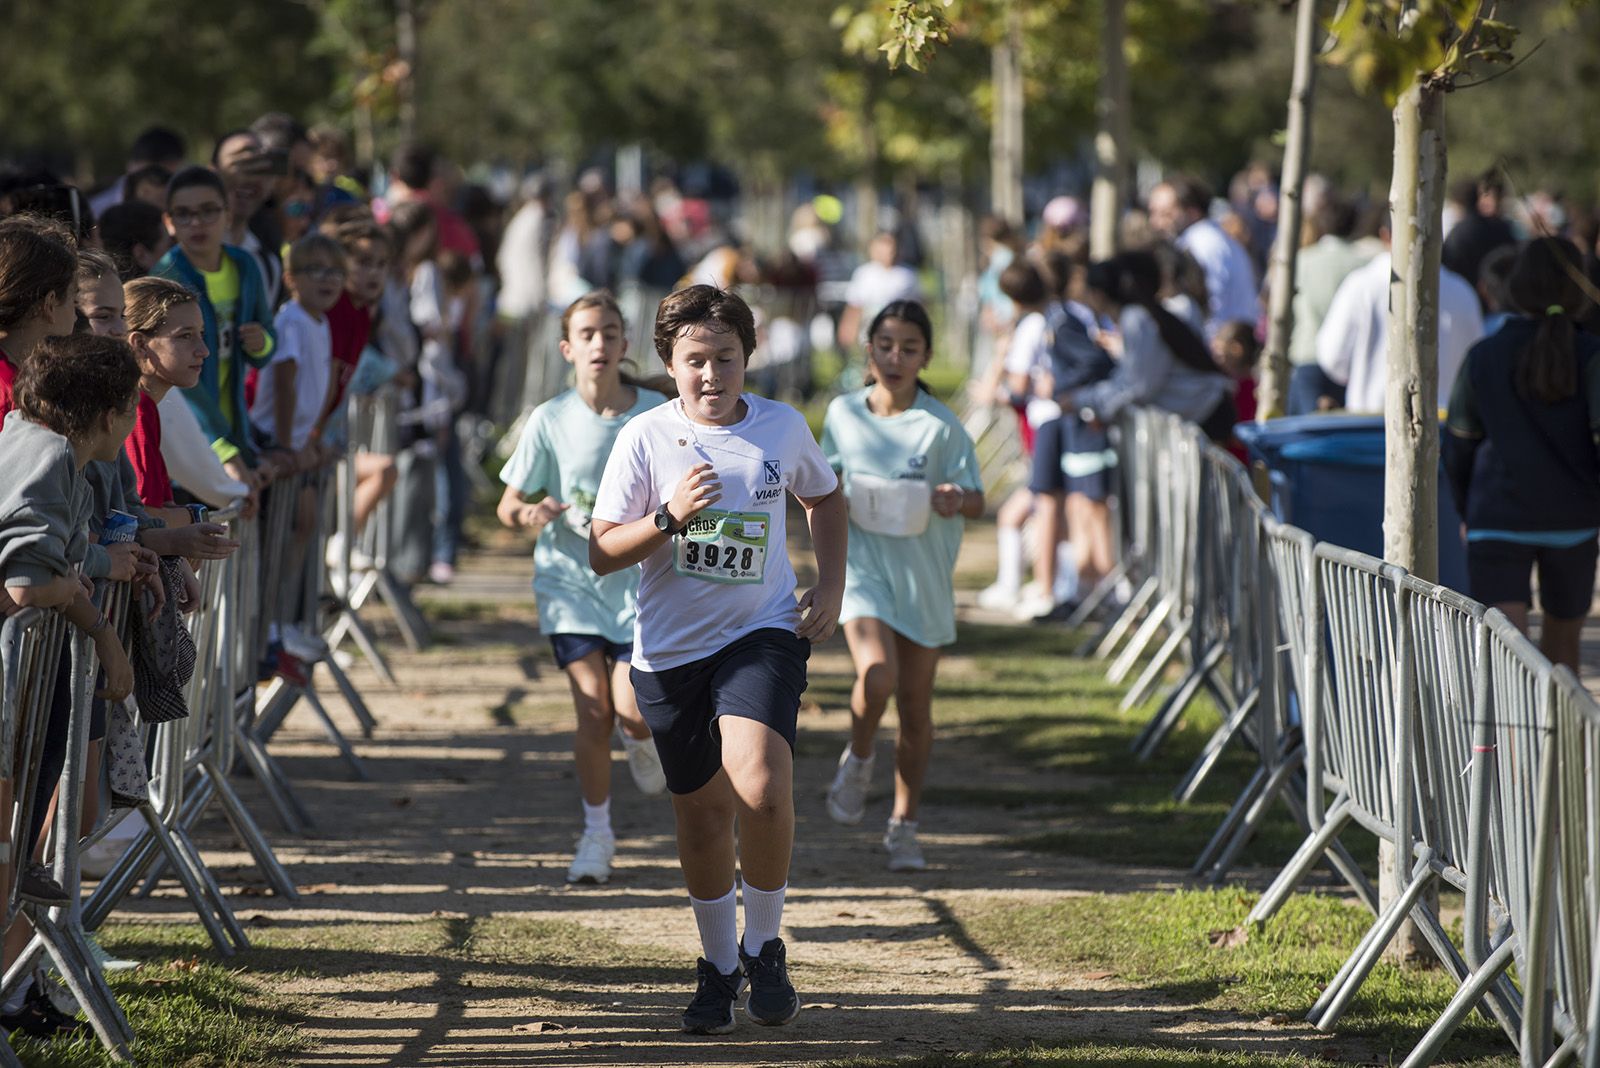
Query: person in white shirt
1353 341
875 285
1179 209
696 492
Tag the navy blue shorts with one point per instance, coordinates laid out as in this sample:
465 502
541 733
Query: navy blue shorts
1500 572
759 676
570 648
1070 456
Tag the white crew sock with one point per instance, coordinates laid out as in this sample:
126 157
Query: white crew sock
763 913
597 818
1008 572
719 930
1066 573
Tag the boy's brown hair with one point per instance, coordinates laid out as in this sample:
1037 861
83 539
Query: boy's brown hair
362 231
720 310
68 384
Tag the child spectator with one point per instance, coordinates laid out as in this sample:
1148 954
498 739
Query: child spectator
100 294
134 237
720 647
233 306
551 482
1236 349
147 185
75 401
368 256
910 473
38 292
291 398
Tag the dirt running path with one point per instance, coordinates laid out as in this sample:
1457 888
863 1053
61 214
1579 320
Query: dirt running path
436 928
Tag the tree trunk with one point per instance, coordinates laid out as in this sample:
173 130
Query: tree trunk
1112 108
1274 368
405 40
1411 404
1005 135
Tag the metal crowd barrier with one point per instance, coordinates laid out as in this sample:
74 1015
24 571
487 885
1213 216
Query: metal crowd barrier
1371 697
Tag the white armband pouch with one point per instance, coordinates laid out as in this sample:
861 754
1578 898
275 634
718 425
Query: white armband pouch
893 507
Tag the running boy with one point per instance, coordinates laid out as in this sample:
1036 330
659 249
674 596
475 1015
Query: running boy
550 490
911 475
720 647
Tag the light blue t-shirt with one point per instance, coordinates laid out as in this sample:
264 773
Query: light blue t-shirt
562 453
905 581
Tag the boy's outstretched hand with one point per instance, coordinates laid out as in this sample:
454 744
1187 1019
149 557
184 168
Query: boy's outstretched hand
819 614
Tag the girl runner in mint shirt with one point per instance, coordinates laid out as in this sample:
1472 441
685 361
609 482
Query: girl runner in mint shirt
551 482
910 473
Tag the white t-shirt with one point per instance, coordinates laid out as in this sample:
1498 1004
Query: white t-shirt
1353 341
874 287
1029 354
308 345
729 573
1230 276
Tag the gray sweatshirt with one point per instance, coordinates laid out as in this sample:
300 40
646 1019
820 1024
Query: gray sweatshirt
1149 373
44 505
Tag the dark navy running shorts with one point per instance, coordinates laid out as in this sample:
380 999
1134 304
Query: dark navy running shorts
570 648
759 676
1500 572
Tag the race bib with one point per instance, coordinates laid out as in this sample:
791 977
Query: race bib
894 507
724 547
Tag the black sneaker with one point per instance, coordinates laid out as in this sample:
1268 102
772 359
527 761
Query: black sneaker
38 1020
772 1001
711 1011
37 885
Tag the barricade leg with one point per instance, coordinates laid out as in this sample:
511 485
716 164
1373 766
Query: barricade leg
336 736
413 627
1177 703
1300 865
1336 996
291 814
1257 790
1465 999
353 698
1218 743
1125 661
249 832
350 625
1118 629
1147 682
88 986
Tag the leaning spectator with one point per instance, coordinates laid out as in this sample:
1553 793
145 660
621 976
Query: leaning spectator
1481 230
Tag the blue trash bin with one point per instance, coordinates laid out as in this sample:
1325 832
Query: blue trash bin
1326 473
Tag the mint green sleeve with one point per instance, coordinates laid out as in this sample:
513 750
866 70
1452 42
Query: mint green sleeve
531 471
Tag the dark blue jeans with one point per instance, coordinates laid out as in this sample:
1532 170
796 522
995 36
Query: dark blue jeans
449 499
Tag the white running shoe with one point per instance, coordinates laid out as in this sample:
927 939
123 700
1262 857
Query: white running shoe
592 864
107 962
847 797
901 842
998 598
644 764
1029 608
302 646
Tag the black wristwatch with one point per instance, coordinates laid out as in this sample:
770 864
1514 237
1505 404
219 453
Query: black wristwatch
665 523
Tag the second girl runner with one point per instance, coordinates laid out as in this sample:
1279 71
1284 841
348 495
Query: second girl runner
911 475
551 481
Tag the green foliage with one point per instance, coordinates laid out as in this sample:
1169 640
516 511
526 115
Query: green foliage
1387 45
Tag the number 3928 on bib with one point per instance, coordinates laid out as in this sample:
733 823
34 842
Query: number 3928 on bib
724 547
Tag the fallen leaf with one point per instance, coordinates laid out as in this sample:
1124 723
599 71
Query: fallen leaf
1101 975
538 1027
401 802
1228 939
845 915
320 888
1277 1019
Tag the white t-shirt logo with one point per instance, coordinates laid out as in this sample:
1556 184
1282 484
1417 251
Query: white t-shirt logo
774 472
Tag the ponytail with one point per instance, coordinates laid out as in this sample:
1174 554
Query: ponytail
1135 278
1544 284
